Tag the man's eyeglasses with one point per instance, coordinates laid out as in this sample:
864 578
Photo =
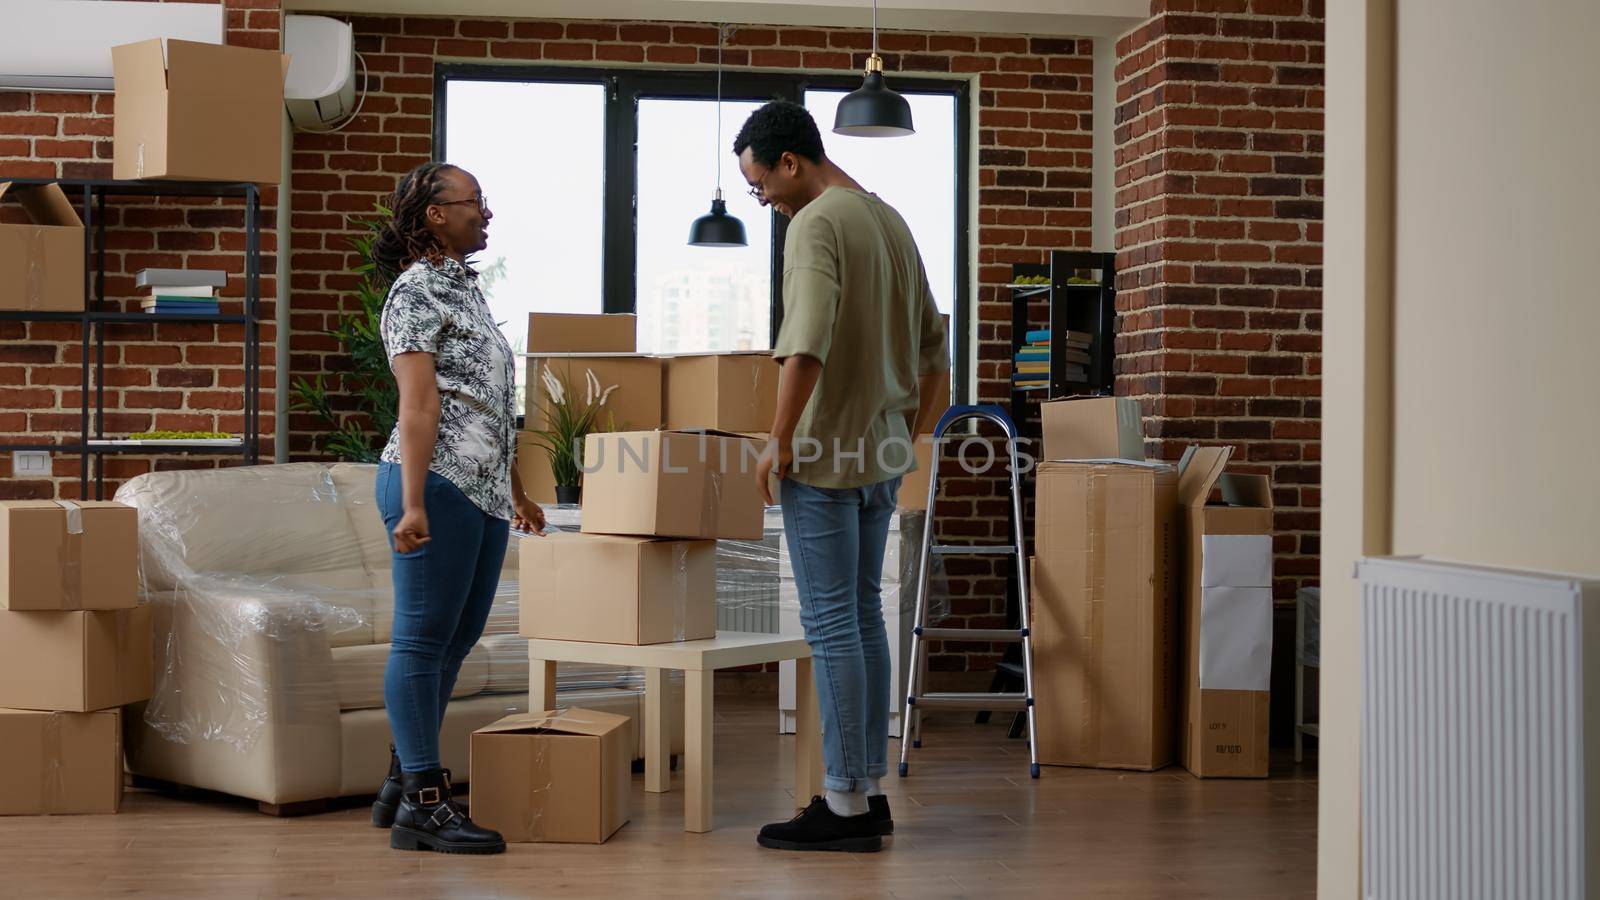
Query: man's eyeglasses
481 200
759 192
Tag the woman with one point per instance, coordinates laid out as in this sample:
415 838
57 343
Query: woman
447 489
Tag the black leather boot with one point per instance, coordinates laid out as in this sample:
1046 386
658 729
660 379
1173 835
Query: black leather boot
388 794
429 820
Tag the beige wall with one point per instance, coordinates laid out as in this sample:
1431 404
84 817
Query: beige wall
1460 417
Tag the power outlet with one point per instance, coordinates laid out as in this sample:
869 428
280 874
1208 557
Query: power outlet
30 464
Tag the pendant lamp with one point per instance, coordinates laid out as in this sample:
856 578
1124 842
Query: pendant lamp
873 110
717 228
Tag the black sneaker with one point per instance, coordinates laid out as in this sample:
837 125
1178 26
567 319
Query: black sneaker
818 828
878 808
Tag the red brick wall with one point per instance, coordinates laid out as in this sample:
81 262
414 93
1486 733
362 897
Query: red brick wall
1219 243
168 376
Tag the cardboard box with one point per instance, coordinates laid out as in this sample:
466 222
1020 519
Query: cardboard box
198 112
57 555
533 467
60 763
75 661
632 590
725 391
1227 617
560 776
635 404
1092 428
581 333
41 263
677 484
1104 603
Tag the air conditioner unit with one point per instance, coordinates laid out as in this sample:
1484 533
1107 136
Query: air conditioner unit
321 86
65 45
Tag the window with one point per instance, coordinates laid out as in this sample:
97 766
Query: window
594 178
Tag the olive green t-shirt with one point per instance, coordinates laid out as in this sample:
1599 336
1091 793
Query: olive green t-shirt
856 298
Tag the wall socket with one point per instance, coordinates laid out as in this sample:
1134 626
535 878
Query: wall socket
30 464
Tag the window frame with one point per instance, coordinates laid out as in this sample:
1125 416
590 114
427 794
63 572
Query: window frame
623 90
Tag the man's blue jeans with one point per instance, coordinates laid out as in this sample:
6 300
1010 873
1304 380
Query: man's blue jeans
442 594
836 539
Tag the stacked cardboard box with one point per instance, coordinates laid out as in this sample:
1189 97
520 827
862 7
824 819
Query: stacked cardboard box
41 263
75 647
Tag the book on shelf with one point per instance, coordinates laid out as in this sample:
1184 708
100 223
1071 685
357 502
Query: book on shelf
1033 367
1042 337
188 309
1033 353
183 292
213 278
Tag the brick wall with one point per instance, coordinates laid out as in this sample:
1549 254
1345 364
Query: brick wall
1219 244
167 376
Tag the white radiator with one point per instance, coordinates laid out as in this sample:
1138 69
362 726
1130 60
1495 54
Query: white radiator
1479 703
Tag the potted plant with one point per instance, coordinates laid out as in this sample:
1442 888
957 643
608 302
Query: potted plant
567 423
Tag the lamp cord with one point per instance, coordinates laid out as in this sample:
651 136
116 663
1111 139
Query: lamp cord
716 139
874 27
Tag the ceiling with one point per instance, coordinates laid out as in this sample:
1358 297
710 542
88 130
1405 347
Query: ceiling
1032 17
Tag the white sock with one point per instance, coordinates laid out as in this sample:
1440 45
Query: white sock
846 803
874 787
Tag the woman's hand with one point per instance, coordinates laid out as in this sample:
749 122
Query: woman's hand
529 516
412 531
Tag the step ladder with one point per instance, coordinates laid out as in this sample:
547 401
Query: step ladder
921 632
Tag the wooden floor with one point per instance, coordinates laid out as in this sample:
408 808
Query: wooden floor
969 823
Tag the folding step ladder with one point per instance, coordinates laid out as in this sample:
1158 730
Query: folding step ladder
921 632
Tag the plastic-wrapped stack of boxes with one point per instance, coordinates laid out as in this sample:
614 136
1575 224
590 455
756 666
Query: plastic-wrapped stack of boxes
74 649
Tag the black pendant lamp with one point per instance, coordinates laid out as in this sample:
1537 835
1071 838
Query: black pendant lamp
717 228
873 110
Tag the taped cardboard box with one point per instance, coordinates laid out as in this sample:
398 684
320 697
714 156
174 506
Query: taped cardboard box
1092 428
194 111
1227 615
634 383
677 484
725 391
610 589
75 661
41 263
60 763
560 776
1105 627
62 555
582 333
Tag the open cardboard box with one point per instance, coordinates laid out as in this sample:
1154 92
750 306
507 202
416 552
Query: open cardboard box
41 263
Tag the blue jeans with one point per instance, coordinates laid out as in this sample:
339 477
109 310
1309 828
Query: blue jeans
836 540
442 594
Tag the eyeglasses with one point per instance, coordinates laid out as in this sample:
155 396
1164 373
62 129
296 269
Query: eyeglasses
759 192
481 200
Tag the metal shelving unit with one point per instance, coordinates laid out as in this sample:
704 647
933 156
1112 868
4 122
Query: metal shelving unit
91 195
1089 308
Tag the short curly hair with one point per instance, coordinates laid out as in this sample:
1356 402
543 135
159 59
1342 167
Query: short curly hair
777 128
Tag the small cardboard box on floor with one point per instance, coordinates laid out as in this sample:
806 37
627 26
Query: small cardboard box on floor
65 555
676 484
196 111
1105 631
633 590
41 263
60 763
724 391
1227 617
561 776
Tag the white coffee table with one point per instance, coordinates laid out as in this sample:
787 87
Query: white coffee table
697 660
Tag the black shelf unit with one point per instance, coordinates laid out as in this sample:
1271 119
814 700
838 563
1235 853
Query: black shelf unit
1087 308
90 195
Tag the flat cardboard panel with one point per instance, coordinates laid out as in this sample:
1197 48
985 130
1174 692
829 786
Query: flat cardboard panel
75 661
581 333
725 391
43 566
633 590
635 405
672 484
41 263
60 763
1104 615
561 776
1092 428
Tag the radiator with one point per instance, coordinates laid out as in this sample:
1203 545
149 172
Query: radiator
1479 699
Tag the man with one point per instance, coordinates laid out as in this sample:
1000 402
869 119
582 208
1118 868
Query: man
863 350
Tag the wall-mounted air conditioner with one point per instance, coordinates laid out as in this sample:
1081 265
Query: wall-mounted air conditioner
65 45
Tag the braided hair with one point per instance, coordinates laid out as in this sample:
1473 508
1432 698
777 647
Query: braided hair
406 237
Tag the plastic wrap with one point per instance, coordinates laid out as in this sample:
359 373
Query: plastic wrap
1308 631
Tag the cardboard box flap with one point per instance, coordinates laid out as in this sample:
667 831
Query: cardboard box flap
1153 464
232 72
1198 472
582 722
1253 491
712 432
141 66
45 204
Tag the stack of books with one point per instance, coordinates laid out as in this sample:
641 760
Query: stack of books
184 291
1031 368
